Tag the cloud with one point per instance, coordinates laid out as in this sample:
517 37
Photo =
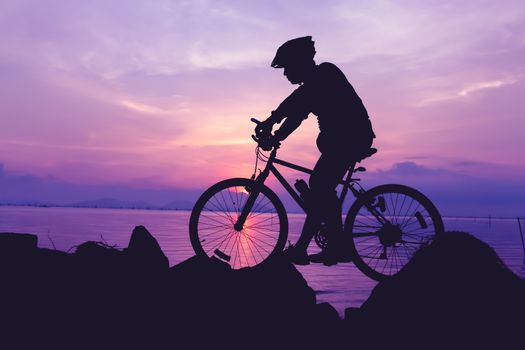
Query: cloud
28 189
469 90
144 108
452 193
124 90
457 193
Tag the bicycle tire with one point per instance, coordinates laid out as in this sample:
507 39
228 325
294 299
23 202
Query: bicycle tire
382 249
212 231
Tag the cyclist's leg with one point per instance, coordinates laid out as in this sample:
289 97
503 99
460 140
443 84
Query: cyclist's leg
322 202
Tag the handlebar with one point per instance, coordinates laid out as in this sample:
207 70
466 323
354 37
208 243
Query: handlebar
265 141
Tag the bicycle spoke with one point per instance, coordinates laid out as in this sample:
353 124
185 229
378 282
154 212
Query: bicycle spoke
259 212
224 240
208 243
232 201
364 234
409 209
228 242
260 221
212 226
216 220
219 209
243 251
263 227
254 240
411 222
263 233
411 217
393 206
257 207
251 250
243 198
226 206
402 204
213 234
237 200
367 250
366 226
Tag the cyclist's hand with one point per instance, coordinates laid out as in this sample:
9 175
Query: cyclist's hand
267 141
264 128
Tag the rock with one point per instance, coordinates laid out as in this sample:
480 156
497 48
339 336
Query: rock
17 243
144 251
98 256
271 303
456 291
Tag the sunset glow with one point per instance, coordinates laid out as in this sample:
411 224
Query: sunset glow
159 95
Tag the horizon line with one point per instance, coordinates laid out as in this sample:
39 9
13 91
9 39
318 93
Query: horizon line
160 208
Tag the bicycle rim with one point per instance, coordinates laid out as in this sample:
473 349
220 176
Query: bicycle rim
213 217
383 248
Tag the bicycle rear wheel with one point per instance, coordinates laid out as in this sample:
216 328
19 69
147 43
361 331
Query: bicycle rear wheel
212 231
388 224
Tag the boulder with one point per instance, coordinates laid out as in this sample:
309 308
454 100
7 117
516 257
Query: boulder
455 291
144 251
17 243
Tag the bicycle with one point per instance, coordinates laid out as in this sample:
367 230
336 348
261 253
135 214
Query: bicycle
243 222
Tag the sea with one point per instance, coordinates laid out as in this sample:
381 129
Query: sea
341 285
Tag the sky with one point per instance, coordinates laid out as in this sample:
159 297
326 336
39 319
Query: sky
143 99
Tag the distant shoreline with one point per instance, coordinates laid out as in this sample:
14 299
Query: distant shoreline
91 207
488 217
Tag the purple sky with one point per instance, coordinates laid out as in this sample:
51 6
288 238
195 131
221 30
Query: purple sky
157 95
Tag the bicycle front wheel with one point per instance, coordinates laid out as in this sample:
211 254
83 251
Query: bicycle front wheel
388 224
213 218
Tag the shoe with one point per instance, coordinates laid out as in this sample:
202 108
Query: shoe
345 255
329 257
296 256
325 257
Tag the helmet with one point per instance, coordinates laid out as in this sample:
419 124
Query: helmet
293 51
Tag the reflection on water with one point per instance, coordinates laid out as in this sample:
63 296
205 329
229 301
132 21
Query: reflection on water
342 285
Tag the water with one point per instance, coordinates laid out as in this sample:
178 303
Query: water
341 285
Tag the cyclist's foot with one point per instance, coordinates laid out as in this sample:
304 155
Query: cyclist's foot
345 256
325 257
296 256
329 258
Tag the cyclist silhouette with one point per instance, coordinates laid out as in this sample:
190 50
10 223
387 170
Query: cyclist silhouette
345 136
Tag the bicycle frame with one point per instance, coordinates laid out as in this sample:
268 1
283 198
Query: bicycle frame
347 182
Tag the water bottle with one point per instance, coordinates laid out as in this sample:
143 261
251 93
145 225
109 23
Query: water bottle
302 187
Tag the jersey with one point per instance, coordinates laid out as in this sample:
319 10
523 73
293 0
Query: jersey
343 119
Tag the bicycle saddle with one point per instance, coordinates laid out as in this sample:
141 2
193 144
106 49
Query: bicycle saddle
371 151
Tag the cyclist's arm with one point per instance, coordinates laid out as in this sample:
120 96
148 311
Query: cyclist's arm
294 109
289 125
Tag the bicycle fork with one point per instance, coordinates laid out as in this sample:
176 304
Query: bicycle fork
239 224
254 193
